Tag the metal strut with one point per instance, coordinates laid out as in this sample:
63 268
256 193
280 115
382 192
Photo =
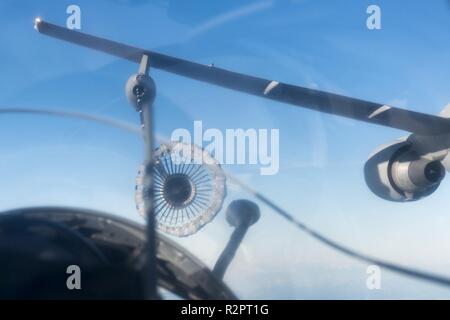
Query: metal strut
146 116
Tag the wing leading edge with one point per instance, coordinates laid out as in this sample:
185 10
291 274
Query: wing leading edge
415 122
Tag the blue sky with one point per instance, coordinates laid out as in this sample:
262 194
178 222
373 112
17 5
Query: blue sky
320 44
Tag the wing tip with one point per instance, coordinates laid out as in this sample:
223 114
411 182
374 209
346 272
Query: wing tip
37 23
